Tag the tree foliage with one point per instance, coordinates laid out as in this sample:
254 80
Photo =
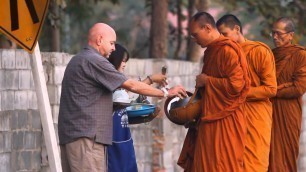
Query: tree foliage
273 9
63 15
131 20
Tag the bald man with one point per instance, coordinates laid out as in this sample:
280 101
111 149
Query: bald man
220 136
290 60
85 115
258 108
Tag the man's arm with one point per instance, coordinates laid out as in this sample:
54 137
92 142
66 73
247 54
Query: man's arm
144 89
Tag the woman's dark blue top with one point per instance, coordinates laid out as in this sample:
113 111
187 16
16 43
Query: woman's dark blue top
121 154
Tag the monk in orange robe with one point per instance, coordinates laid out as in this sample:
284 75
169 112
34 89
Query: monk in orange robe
258 108
290 63
224 83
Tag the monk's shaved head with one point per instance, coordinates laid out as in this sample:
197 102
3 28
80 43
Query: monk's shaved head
229 20
282 32
290 27
203 18
203 29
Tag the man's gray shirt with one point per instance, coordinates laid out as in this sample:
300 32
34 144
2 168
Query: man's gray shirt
86 105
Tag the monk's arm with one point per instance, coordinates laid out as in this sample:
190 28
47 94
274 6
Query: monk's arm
233 82
265 66
298 86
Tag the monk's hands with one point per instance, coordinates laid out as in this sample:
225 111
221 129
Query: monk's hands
279 87
159 79
201 80
179 91
284 85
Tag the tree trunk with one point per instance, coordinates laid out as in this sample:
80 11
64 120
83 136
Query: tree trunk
194 51
179 29
202 5
55 26
159 29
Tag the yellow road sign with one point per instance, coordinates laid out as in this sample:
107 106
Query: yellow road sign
22 20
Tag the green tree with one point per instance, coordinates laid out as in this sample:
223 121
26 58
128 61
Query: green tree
194 51
56 22
159 29
273 9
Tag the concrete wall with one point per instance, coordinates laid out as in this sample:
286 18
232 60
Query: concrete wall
20 127
22 147
158 143
302 155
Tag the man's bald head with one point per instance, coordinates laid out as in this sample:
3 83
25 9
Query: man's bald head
102 37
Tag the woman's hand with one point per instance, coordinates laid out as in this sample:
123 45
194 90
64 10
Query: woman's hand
178 90
159 79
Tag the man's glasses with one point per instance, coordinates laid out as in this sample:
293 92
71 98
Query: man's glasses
277 33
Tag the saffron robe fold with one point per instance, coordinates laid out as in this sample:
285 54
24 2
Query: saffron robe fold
258 108
220 134
287 108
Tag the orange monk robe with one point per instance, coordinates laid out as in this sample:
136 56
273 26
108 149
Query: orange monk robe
258 108
220 138
287 108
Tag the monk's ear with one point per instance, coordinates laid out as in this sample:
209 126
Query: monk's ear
237 28
208 27
291 34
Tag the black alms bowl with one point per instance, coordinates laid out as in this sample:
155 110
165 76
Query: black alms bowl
184 101
175 102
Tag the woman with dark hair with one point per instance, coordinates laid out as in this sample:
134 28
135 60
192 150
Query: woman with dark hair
121 154
118 56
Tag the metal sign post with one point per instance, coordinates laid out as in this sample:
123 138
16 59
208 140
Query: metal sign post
45 110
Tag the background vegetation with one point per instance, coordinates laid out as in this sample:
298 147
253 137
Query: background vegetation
158 28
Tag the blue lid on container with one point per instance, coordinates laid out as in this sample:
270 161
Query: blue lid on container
137 110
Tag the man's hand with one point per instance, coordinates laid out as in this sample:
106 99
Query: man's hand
201 80
179 91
